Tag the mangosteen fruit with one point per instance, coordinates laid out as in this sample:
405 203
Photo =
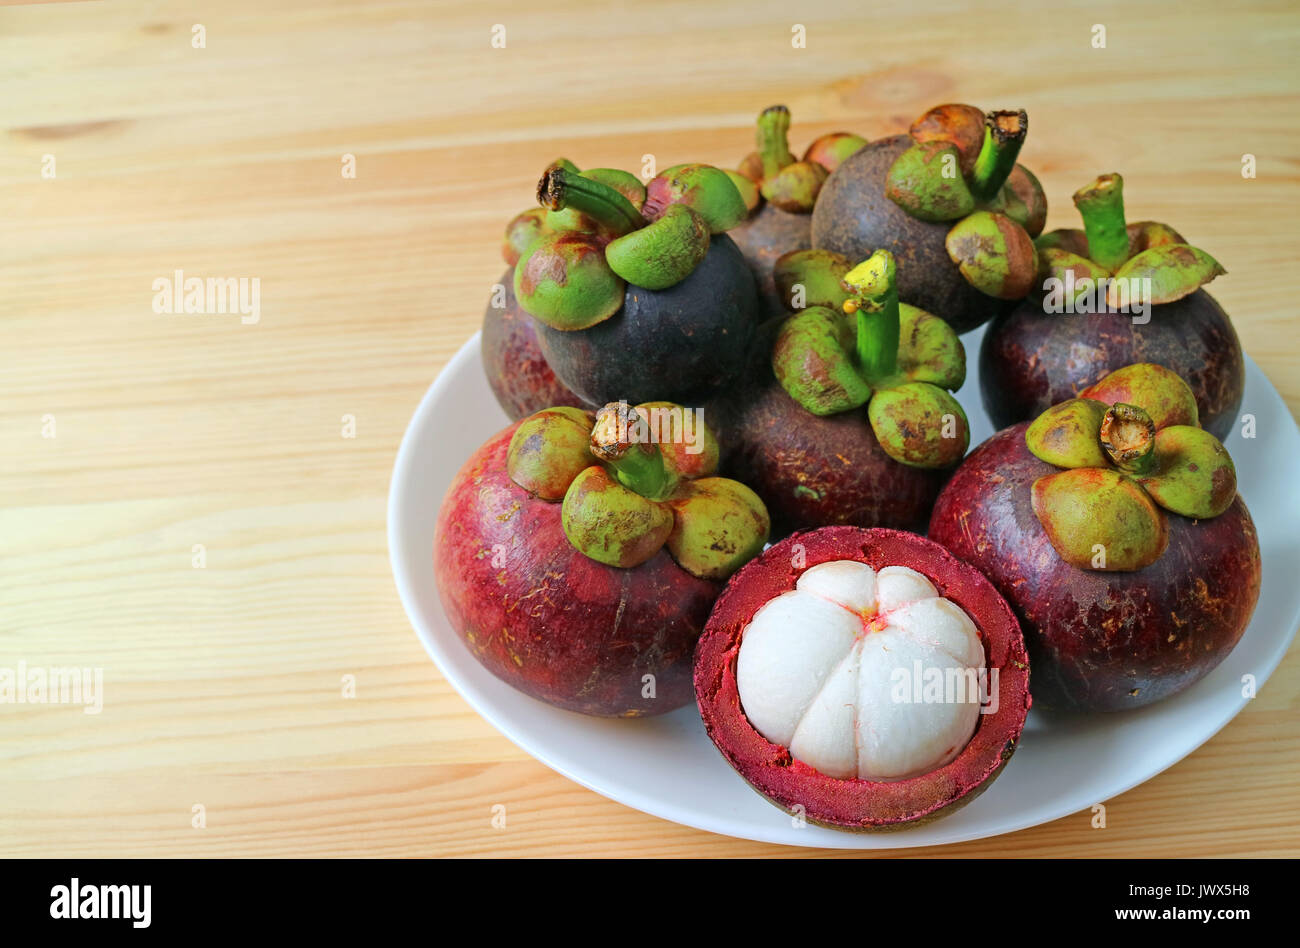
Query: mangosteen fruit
863 679
517 372
1111 295
950 202
852 421
1112 526
638 294
780 192
578 556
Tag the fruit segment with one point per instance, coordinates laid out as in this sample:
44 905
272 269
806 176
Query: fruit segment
862 673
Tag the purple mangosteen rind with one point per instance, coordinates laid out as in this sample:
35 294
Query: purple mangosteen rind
1100 641
851 803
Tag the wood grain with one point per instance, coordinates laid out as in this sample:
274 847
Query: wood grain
222 684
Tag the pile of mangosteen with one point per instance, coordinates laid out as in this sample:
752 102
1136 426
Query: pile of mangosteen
736 473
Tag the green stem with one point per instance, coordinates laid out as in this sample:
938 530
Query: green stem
874 287
560 188
638 466
1004 133
1101 204
1128 437
773 140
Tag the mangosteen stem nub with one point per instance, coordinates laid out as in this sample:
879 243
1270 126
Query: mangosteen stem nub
875 301
1004 133
1128 437
1101 204
560 188
638 465
773 141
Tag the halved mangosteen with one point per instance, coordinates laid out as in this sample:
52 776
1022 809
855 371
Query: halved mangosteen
863 679
1113 526
578 556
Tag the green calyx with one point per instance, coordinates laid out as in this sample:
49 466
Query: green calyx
632 481
872 351
1162 394
664 252
1098 519
926 181
920 425
548 450
703 188
564 280
748 190
994 254
834 148
524 230
1068 434
795 187
1133 445
807 278
1144 262
719 525
961 167
1191 473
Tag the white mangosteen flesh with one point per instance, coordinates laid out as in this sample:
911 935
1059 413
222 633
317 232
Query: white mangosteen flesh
862 673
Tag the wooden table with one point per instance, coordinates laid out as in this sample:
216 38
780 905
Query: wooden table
223 684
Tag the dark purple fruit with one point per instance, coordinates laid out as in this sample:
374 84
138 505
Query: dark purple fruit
1030 360
1100 640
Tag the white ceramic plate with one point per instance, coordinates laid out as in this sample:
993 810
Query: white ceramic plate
668 767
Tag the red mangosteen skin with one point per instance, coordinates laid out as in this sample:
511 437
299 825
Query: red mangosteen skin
855 218
854 804
1100 641
550 621
681 344
814 471
513 362
1031 360
762 239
